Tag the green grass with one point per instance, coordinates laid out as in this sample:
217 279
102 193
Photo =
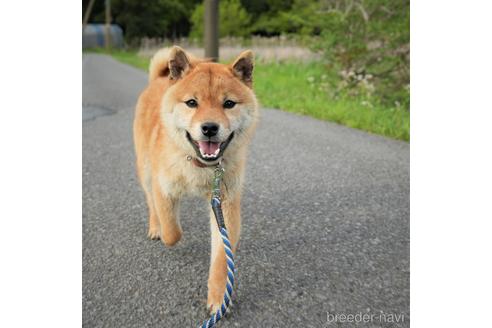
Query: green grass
304 89
127 57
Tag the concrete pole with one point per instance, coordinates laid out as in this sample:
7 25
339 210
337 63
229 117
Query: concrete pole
107 34
211 35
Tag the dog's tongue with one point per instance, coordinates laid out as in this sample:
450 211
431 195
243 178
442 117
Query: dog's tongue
208 147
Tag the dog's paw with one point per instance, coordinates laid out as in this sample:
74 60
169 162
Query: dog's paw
214 307
154 233
171 237
214 301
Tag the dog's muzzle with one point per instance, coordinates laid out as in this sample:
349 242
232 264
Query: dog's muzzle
208 150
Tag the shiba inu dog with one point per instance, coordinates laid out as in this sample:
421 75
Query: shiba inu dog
193 115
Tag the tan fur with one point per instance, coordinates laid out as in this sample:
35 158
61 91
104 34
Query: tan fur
161 121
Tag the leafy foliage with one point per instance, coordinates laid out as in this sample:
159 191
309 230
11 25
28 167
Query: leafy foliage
369 42
365 41
156 18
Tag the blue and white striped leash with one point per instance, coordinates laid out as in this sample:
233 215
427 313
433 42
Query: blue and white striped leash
219 217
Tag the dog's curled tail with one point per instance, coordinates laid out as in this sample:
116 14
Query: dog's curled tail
159 64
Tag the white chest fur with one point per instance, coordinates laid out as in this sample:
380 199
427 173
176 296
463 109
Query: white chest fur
187 179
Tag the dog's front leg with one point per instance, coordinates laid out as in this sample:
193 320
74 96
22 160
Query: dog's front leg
166 208
218 267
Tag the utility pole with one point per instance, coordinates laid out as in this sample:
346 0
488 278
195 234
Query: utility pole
211 34
107 34
87 14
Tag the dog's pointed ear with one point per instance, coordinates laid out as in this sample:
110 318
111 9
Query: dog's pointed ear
179 63
243 67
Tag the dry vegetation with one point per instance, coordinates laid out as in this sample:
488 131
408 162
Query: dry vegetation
267 50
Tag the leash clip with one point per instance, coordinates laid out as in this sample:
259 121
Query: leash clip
216 200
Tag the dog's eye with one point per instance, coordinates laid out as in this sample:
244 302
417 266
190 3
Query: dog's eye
191 103
229 104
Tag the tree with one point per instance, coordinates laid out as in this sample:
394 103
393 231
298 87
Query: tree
156 18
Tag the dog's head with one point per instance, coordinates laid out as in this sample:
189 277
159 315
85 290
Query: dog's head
209 107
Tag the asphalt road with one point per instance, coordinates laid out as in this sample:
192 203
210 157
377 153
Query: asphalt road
325 224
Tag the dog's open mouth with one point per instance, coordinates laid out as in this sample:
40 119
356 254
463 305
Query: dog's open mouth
209 150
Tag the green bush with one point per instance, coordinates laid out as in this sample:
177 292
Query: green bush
366 41
234 20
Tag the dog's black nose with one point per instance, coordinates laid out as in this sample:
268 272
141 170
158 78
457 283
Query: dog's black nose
210 129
